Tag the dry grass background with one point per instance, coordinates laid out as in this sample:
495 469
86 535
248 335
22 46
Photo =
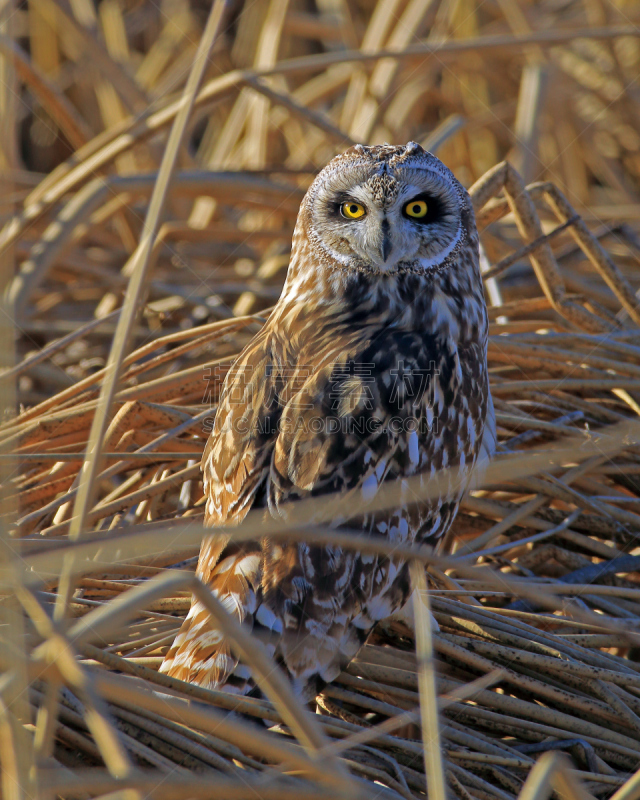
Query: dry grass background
153 160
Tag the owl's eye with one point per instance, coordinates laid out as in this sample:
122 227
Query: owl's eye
352 210
417 209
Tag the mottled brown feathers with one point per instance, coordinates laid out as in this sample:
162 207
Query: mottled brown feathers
370 369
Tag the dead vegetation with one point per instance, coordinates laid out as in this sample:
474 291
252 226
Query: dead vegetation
153 162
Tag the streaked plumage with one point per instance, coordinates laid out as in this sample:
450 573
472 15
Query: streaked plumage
371 368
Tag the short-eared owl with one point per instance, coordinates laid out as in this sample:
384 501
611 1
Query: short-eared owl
371 368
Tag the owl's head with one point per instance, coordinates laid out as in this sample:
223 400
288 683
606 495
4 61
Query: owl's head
386 209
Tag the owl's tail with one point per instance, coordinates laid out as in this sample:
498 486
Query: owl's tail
199 653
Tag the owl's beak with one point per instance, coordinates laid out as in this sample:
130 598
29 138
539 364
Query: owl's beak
386 245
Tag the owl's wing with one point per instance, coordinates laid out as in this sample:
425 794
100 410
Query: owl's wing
236 458
235 465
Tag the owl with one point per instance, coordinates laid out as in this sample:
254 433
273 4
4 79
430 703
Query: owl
371 368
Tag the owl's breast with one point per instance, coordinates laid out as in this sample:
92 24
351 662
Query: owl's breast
422 393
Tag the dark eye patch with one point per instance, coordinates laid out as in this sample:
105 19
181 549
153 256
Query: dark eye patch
436 209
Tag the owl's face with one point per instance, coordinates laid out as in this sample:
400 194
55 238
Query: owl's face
383 209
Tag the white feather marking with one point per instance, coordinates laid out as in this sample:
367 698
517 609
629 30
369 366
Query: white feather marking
369 487
414 449
471 432
226 564
379 608
220 661
193 629
182 659
248 566
196 608
232 603
429 417
266 617
242 672
209 638
316 628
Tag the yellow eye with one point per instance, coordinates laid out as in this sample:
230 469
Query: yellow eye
416 209
352 210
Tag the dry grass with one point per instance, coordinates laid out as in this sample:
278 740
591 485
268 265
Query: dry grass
151 175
